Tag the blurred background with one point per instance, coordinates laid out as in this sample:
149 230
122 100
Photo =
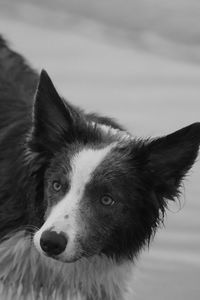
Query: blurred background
137 61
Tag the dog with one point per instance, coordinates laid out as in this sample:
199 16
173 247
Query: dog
79 195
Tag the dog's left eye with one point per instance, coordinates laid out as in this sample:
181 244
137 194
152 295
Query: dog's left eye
107 201
56 186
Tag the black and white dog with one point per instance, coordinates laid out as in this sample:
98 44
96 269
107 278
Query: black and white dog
79 195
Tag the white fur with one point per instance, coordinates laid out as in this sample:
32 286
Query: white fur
26 274
83 164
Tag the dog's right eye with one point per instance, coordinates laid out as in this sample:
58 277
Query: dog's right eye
56 186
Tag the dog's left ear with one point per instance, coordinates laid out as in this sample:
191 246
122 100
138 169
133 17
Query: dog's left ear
169 158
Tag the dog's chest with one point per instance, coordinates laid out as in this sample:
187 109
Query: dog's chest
25 274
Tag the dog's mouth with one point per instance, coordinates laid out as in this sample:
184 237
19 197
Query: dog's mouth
63 258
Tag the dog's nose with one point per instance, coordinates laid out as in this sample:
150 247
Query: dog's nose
53 243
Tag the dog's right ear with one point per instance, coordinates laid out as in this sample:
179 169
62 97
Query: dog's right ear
169 158
52 117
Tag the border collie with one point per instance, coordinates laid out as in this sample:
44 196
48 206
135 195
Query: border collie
79 195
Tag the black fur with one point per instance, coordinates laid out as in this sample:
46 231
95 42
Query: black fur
38 133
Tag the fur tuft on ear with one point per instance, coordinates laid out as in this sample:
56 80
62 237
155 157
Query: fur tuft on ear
52 117
169 158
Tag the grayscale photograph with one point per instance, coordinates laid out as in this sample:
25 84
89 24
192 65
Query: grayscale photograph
99 150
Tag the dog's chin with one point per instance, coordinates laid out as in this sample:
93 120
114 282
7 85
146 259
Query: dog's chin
69 260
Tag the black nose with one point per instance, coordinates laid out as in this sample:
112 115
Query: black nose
53 243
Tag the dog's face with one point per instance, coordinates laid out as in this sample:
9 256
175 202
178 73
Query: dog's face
85 191
103 191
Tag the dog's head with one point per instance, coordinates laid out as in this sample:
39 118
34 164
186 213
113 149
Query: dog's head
102 190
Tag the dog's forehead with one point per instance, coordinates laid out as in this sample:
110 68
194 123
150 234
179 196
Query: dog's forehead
87 159
85 162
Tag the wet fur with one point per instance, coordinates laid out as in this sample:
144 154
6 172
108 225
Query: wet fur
40 277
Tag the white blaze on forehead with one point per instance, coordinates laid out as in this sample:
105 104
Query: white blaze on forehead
83 164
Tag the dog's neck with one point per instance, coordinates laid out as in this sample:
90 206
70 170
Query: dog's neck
25 272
